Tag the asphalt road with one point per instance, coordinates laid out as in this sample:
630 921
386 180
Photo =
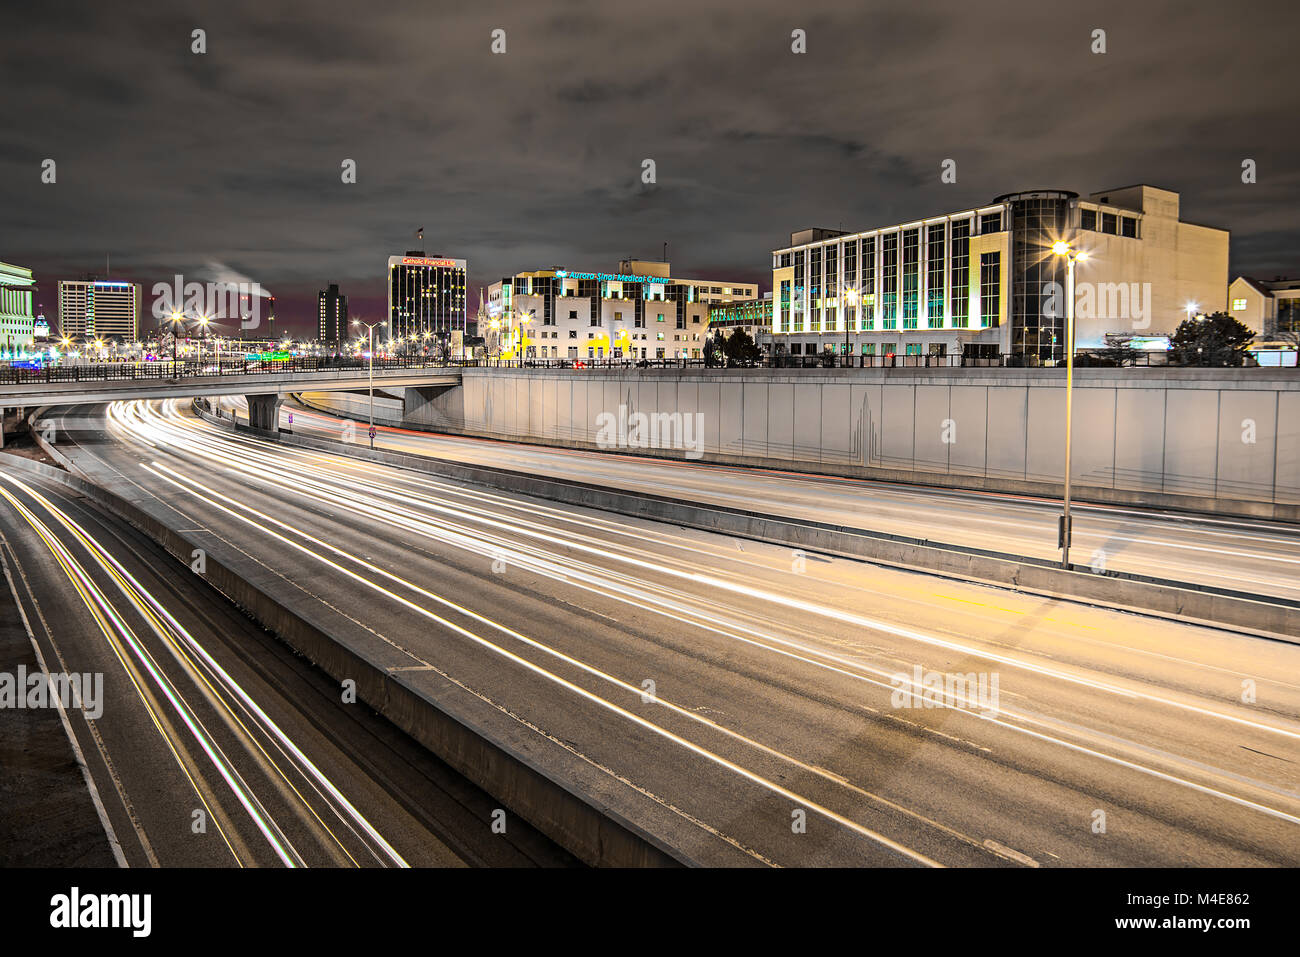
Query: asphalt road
776 730
215 745
1258 557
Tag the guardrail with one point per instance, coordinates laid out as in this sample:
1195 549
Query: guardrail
165 369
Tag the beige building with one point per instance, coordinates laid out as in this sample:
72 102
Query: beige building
984 281
641 311
1267 306
100 309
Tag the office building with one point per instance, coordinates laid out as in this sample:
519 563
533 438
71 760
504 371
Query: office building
641 311
426 294
17 316
99 309
984 281
332 316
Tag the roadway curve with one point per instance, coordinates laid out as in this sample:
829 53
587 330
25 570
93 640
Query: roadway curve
204 712
775 690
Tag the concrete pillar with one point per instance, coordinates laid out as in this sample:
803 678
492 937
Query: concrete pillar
264 411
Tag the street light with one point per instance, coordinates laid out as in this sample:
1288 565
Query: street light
371 326
1062 248
851 295
176 319
523 334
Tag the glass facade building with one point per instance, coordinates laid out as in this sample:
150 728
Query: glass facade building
425 295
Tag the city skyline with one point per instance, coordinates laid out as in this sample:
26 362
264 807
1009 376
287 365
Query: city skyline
749 139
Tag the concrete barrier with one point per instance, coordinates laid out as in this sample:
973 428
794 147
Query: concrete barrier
566 800
1220 441
1264 616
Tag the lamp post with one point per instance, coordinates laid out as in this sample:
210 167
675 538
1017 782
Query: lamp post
852 296
1062 248
370 327
177 319
524 318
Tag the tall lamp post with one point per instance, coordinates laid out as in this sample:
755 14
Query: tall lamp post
524 318
177 320
370 327
1062 248
852 296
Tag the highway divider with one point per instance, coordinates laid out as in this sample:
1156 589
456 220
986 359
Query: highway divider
1264 616
567 798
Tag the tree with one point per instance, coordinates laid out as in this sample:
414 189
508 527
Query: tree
713 354
1118 351
1214 340
741 349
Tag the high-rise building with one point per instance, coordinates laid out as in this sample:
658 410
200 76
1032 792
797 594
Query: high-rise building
985 280
99 309
425 295
17 320
332 315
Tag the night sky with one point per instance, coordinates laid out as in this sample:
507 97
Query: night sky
227 164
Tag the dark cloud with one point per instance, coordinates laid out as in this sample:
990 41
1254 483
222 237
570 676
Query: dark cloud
170 161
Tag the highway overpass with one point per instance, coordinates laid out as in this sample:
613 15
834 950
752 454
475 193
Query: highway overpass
264 385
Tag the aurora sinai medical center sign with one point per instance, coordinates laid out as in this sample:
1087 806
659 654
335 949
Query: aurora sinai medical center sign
609 277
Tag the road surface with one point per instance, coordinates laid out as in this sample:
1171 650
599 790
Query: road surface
772 708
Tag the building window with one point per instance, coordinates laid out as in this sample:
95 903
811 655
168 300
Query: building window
869 283
913 349
990 223
990 288
911 277
573 313
815 289
1128 226
889 281
1108 223
1088 219
1238 305
934 293
573 333
960 253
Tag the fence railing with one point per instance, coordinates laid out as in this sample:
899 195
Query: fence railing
165 369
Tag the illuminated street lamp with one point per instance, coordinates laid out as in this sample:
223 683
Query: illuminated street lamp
370 327
177 320
1062 248
852 296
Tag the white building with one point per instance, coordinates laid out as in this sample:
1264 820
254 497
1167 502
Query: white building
17 318
639 312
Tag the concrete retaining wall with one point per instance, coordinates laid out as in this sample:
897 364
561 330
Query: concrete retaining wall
1211 440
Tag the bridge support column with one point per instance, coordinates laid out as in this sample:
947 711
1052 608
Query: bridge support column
264 411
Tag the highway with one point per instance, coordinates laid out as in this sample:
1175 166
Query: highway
215 745
1257 557
754 701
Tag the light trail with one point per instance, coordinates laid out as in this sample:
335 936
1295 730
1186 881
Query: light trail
182 644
